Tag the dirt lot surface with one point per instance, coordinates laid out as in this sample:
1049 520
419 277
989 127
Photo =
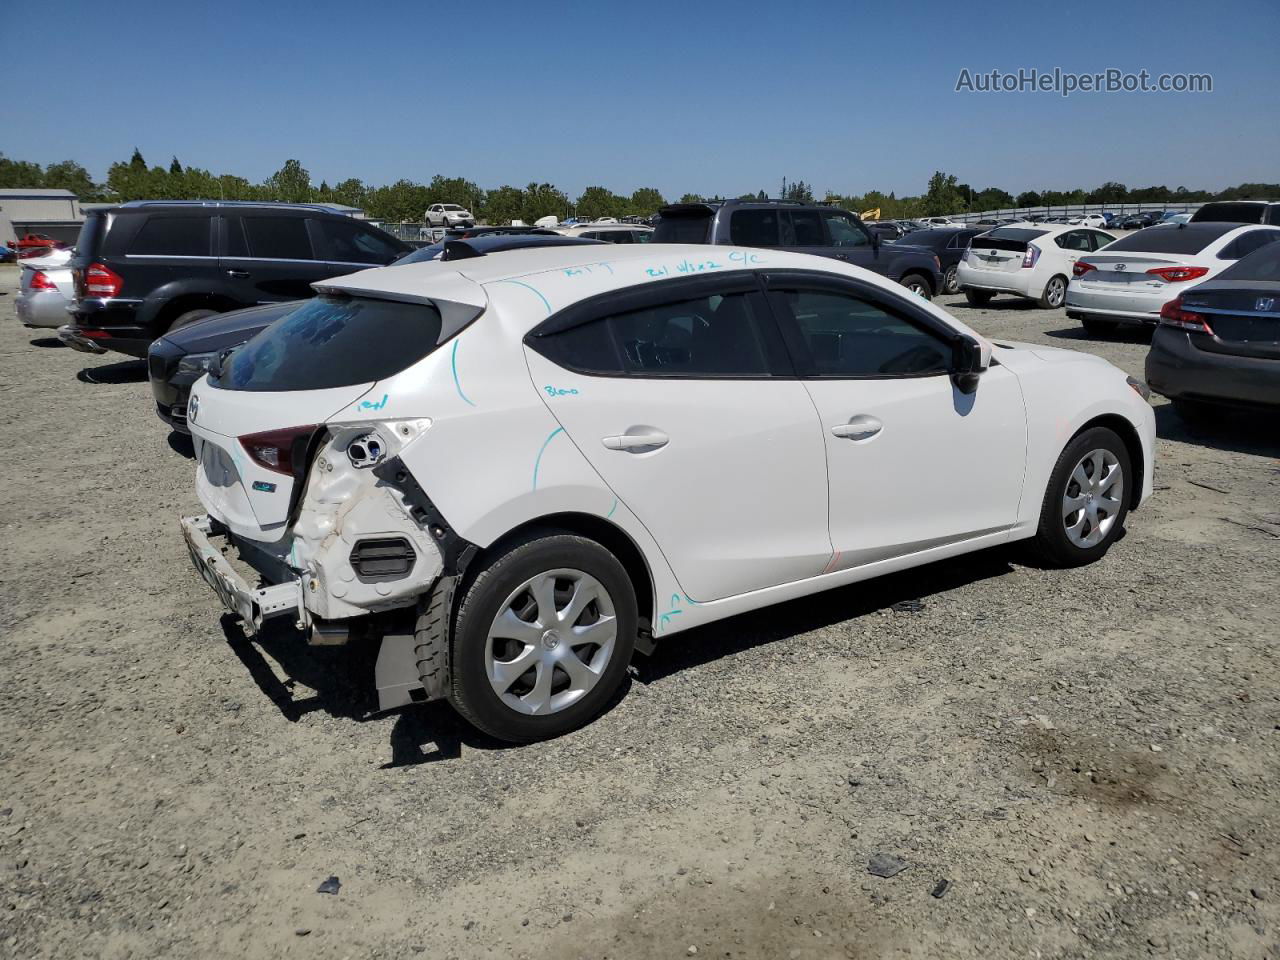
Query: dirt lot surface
1072 764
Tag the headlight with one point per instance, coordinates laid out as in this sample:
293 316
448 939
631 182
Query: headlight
197 363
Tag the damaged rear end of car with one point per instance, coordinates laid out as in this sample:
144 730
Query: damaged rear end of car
310 512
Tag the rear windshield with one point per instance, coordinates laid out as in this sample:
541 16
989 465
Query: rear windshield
1262 264
1021 235
334 342
1165 239
1229 213
684 228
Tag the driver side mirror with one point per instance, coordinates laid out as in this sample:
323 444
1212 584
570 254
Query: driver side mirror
969 358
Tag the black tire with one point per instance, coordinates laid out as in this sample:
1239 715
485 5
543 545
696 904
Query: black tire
1051 545
978 298
1055 289
190 317
951 280
918 284
1099 328
470 690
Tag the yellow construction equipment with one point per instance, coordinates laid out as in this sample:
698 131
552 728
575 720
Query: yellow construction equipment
871 214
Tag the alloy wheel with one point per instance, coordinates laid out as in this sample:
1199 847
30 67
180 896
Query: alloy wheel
1091 502
1057 292
551 641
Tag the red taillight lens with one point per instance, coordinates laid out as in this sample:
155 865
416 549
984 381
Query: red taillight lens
1173 315
1178 274
40 281
1080 269
278 450
1031 256
101 281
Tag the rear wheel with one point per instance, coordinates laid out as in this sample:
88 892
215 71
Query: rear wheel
542 639
950 281
1099 328
978 298
1086 501
916 283
1055 293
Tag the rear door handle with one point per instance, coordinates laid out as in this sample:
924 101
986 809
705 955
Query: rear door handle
861 427
238 274
650 440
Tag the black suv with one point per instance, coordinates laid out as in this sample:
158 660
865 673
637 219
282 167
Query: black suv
800 228
1238 211
147 267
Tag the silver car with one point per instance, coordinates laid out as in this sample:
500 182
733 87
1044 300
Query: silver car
46 289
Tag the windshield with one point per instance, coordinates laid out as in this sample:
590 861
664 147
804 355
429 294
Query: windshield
333 341
1022 235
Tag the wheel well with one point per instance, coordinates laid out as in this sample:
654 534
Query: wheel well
928 280
1132 444
193 301
609 536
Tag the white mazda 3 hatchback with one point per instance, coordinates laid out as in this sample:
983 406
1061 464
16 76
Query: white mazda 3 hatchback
513 470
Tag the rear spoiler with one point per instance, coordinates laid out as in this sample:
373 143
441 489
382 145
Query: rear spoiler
458 299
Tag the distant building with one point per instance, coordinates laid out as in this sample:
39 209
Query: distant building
55 213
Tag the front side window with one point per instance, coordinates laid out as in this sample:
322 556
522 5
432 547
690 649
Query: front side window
278 238
349 242
847 336
754 228
802 228
711 336
844 232
334 342
172 237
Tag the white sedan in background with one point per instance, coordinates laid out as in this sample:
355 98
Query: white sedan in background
1134 277
1032 261
510 471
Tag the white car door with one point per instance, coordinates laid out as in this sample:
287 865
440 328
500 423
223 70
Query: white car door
668 391
913 462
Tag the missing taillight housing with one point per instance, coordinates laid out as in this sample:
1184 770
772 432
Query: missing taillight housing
1081 268
1178 274
101 281
1172 314
281 451
1031 256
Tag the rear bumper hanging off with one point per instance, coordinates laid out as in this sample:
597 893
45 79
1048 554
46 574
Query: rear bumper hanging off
252 604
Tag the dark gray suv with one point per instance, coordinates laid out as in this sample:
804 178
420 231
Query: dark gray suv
800 228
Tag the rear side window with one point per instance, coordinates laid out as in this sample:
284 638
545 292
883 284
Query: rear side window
1259 266
844 232
334 342
278 238
712 336
683 229
850 337
172 237
349 242
754 228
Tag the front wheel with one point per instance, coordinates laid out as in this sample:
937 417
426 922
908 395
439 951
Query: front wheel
1055 293
542 638
978 298
1086 501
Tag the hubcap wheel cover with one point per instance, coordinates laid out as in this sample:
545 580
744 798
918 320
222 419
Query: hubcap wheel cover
550 642
1092 498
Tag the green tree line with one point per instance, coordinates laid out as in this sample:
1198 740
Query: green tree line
407 200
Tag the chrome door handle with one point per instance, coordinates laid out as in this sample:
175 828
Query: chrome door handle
238 274
861 427
637 441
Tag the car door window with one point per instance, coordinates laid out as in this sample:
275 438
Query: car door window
172 237
346 241
847 336
802 228
844 232
754 228
1074 240
711 336
1099 239
278 238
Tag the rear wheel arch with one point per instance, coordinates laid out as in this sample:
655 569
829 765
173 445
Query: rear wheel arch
925 278
609 535
183 303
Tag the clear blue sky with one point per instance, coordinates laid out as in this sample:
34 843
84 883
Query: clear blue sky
688 97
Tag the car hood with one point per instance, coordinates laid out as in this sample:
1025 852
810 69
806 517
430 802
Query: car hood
228 329
1022 356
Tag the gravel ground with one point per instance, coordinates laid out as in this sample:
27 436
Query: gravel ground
1071 763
